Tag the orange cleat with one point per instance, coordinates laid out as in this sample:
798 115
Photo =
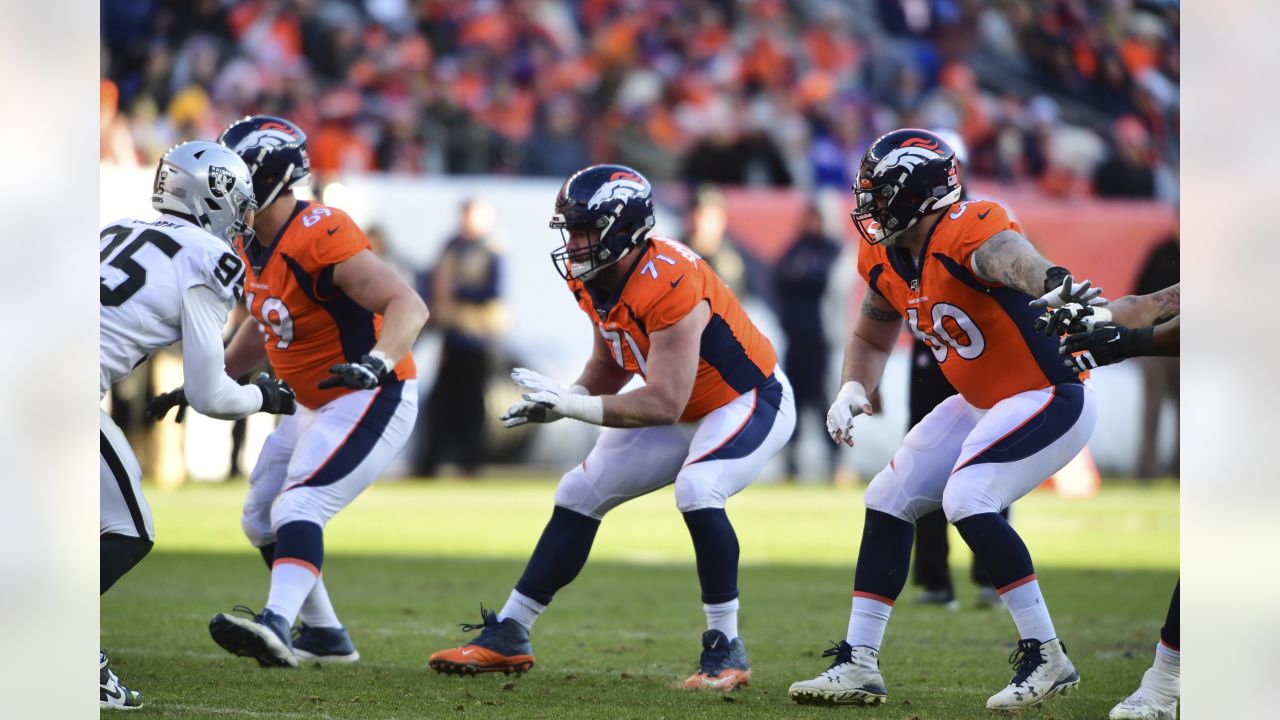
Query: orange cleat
723 666
500 647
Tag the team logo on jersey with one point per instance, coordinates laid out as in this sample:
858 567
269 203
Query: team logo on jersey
221 180
905 157
621 186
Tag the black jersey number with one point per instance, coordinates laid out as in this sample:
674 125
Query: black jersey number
136 275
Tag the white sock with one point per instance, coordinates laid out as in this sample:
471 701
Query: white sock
1168 663
1030 614
867 621
317 609
290 585
723 617
521 608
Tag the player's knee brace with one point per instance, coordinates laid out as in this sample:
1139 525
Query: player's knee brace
698 490
117 554
576 492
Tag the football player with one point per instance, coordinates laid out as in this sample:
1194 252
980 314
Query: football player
337 323
971 287
1133 326
713 410
164 280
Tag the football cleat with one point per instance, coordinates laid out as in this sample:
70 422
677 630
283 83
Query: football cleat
988 597
502 646
1150 701
945 598
324 645
723 665
111 694
1040 671
263 636
853 679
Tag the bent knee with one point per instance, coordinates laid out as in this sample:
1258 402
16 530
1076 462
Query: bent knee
959 503
575 492
698 493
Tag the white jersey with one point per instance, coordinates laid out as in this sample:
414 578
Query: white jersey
147 268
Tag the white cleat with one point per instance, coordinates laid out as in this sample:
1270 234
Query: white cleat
853 679
1150 701
1041 671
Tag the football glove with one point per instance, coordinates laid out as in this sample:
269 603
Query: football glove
851 402
277 397
159 406
1105 344
366 374
1071 318
547 402
1060 289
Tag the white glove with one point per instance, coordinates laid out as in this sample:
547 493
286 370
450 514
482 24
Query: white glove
850 403
547 401
1081 293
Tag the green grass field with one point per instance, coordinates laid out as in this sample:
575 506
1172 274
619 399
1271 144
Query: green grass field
409 561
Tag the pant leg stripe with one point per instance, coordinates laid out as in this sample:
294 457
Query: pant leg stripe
126 486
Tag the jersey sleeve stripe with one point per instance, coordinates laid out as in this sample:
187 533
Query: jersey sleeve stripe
1050 422
722 350
1043 349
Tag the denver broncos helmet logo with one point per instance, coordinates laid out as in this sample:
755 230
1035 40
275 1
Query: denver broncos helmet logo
270 135
621 186
907 157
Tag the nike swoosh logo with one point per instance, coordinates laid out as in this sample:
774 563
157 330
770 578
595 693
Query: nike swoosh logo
336 229
466 652
676 281
113 694
981 216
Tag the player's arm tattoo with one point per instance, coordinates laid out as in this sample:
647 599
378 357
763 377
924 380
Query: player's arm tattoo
1009 259
875 308
1167 303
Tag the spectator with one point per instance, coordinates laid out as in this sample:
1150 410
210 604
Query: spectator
465 297
1127 173
1159 374
706 233
801 281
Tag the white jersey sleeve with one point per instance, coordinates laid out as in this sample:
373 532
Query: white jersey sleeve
207 386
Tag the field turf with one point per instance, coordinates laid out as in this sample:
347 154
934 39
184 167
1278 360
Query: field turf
410 561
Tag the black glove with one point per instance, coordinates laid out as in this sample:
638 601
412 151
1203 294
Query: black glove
1071 318
1107 343
277 397
366 374
158 406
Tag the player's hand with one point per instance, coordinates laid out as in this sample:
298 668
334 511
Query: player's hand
851 402
277 397
1071 318
364 375
1069 291
539 403
159 406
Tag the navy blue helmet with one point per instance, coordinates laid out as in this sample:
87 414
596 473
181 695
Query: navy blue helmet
275 151
613 199
904 175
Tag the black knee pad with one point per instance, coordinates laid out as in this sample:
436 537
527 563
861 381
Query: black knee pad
117 554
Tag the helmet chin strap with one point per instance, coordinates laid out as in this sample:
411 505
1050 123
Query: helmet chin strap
592 272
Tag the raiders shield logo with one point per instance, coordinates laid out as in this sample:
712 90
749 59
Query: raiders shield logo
221 180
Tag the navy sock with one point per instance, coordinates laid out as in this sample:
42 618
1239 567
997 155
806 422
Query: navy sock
300 540
560 554
268 554
117 554
1169 633
884 557
715 545
997 546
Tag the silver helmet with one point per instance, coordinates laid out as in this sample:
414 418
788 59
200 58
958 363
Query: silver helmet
208 183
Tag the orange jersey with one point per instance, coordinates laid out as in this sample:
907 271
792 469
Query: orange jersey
664 285
309 324
980 332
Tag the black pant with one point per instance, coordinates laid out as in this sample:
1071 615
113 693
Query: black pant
806 368
928 388
456 409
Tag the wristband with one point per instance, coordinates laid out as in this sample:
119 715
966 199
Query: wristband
587 408
389 365
1140 342
579 389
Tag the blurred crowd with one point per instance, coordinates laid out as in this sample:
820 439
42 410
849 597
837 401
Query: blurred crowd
1075 96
